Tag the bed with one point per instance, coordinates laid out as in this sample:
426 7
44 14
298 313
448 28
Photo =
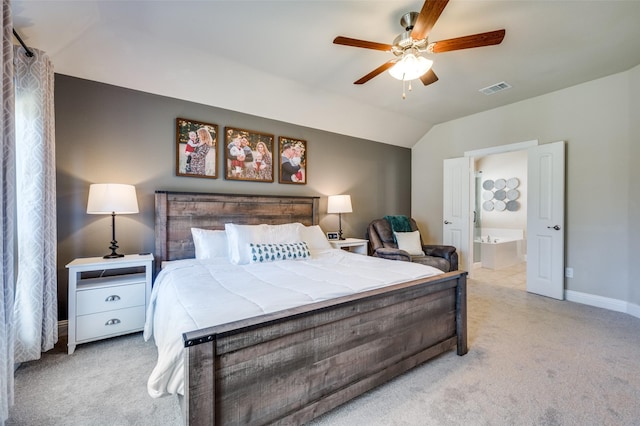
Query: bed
290 365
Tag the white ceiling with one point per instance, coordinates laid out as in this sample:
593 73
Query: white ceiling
276 59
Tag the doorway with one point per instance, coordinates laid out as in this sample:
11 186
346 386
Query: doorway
545 212
500 218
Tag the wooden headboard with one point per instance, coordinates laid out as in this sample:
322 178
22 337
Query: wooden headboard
178 212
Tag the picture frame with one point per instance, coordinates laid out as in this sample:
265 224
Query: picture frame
196 148
331 236
248 155
293 160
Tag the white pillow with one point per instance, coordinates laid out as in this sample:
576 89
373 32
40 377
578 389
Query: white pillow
409 242
314 237
239 237
261 253
209 243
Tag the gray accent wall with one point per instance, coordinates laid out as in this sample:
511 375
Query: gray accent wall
110 134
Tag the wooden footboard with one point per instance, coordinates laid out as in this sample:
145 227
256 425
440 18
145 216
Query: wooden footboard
292 366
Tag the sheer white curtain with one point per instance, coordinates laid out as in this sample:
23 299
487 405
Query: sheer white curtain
7 215
36 294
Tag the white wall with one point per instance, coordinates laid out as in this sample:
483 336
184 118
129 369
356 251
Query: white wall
505 166
634 179
594 119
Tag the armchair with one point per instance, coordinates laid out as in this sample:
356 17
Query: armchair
383 244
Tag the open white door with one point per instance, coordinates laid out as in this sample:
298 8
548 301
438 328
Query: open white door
456 228
545 220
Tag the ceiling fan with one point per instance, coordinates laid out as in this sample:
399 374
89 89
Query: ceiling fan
408 64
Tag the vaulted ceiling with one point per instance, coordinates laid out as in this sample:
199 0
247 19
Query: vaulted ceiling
276 59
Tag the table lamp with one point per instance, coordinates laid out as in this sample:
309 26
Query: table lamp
112 198
339 204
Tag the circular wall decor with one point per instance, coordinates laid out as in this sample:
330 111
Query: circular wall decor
500 183
487 195
513 194
499 205
487 184
513 206
488 205
500 194
513 183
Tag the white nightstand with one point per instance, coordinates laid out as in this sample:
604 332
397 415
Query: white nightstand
354 245
107 297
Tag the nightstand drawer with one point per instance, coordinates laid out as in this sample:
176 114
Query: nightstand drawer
112 322
109 298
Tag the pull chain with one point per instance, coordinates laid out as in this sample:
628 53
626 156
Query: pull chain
404 95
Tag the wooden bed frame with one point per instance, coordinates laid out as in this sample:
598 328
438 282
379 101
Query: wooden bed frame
291 366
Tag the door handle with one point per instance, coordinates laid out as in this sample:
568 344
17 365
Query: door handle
446 222
556 227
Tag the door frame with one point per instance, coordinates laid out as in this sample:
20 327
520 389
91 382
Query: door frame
500 149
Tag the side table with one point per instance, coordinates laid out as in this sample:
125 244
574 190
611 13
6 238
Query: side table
107 297
354 245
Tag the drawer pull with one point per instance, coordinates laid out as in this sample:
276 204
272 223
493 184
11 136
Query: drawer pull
113 298
113 321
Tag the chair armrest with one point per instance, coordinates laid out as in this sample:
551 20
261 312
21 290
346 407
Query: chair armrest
447 252
392 254
438 250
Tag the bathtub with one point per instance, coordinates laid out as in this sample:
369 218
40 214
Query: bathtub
500 248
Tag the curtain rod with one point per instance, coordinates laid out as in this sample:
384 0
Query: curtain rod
28 52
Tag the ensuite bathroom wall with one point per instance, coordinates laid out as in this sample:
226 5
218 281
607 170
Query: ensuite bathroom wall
500 211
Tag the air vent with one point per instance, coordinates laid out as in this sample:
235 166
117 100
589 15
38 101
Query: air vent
496 88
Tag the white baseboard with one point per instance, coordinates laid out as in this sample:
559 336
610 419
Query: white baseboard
634 310
603 302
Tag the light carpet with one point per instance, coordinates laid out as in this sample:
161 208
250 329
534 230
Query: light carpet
531 361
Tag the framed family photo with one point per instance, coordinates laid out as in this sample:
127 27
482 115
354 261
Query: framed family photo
196 148
293 161
248 155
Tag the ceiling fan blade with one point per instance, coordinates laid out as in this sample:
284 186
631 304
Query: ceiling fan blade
346 41
429 77
382 68
467 42
431 10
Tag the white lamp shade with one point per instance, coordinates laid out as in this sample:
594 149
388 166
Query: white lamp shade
339 204
410 67
108 198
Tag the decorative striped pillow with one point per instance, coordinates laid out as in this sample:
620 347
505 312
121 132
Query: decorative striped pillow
261 253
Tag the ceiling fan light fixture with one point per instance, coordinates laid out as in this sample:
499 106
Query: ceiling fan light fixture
410 67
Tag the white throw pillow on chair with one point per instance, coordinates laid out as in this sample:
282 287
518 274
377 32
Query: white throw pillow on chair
409 242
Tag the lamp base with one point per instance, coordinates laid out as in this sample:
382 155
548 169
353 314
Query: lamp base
113 254
340 237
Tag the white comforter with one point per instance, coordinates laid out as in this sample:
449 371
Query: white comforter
193 294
